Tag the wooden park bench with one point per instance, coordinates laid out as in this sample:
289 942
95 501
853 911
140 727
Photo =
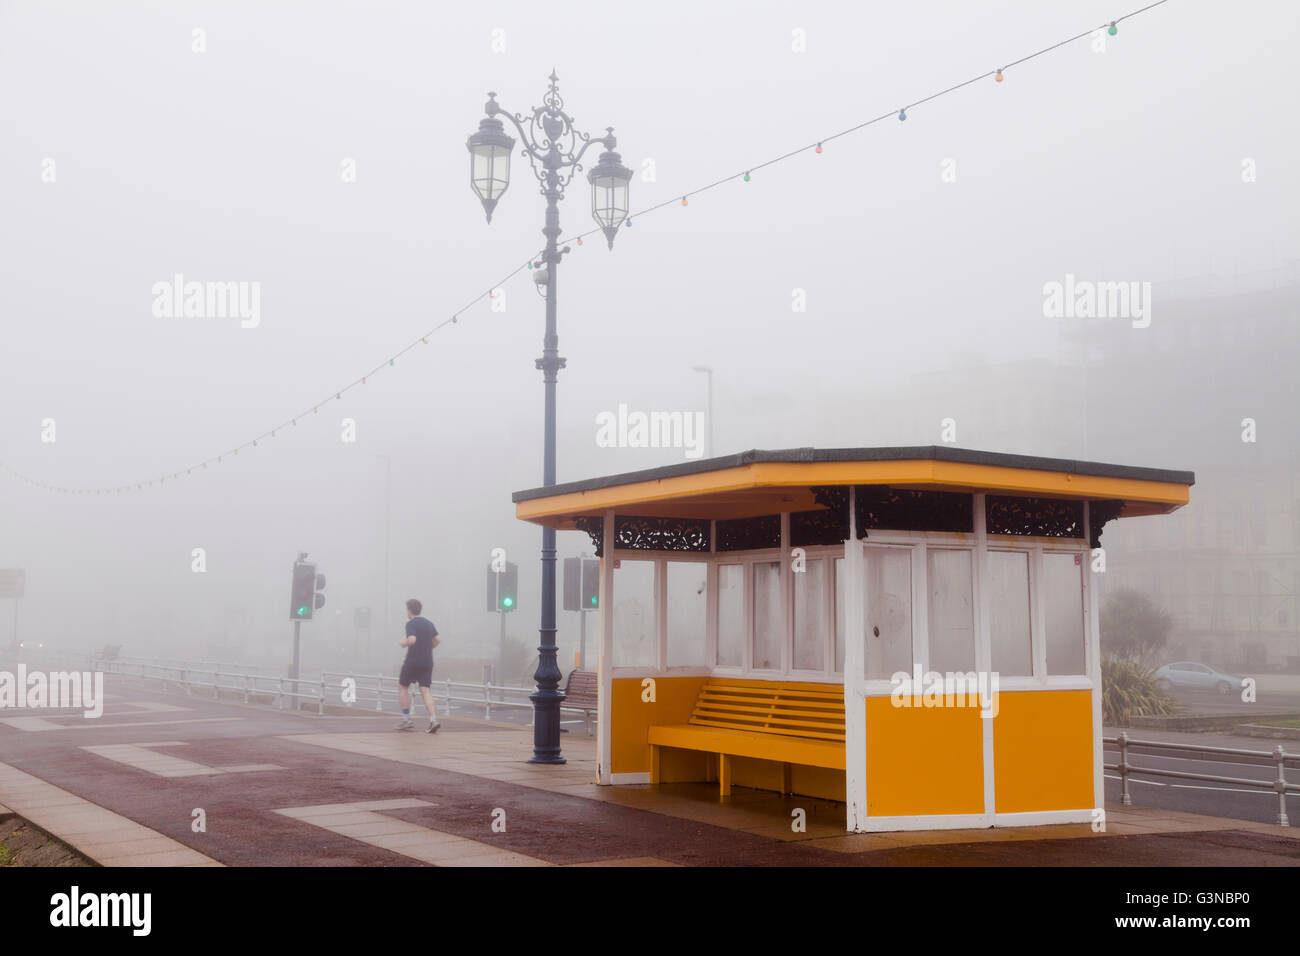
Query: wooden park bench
580 692
791 723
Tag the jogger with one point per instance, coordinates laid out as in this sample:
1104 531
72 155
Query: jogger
420 640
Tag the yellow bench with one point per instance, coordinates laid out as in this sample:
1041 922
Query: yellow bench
792 723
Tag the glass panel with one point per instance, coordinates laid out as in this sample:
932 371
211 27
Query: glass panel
731 615
686 613
1009 613
810 616
490 173
769 619
952 621
839 615
609 200
889 612
634 614
1062 596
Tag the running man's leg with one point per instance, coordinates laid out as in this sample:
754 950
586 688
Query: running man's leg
427 694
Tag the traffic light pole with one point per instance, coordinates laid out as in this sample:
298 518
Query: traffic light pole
297 627
501 653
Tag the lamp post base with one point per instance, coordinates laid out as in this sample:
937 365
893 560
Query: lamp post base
546 727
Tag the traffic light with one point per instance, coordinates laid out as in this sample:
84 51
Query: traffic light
503 588
305 598
581 584
509 591
590 584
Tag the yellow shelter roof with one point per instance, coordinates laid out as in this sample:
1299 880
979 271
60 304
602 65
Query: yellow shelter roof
755 483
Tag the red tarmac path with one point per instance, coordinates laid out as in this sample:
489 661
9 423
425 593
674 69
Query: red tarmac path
450 813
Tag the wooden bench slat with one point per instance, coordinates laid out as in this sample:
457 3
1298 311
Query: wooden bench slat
771 733
766 720
743 743
771 707
786 722
721 701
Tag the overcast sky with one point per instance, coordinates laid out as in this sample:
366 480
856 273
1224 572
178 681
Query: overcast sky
129 157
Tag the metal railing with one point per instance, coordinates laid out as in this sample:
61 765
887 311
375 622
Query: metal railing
351 690
1278 757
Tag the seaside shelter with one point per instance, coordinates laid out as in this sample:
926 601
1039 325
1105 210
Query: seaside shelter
912 631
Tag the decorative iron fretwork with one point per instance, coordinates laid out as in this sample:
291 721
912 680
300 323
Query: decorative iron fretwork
829 526
1099 512
749 534
594 525
635 533
897 509
1043 517
661 534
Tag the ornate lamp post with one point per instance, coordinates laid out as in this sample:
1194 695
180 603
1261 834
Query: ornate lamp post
554 148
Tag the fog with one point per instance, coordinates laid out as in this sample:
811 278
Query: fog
129 158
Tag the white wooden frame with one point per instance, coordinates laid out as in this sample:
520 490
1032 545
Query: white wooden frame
856 686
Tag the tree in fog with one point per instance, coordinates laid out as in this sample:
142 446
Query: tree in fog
1132 626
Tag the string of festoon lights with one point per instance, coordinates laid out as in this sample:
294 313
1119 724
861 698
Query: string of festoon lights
744 175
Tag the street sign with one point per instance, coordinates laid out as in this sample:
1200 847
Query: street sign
12 582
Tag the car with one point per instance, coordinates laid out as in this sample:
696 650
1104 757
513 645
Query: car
1193 675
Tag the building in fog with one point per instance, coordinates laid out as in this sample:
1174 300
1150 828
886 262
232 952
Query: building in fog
1176 394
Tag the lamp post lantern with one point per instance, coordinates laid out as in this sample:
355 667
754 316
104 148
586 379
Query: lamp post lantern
554 147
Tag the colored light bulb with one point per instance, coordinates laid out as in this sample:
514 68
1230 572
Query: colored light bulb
998 78
580 240
1113 29
683 200
746 177
819 147
902 115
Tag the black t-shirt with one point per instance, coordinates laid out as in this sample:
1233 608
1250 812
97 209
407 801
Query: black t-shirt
420 654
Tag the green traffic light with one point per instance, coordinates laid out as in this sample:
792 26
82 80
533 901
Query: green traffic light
508 602
593 600
302 611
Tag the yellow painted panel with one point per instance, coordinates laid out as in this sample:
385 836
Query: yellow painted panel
750 743
683 766
819 782
923 760
630 718
1042 751
757 774
727 483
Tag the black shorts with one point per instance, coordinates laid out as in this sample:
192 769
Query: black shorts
415 674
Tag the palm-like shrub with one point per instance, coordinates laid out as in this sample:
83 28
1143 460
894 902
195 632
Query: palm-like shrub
1129 690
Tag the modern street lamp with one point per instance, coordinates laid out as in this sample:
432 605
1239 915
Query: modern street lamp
554 148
